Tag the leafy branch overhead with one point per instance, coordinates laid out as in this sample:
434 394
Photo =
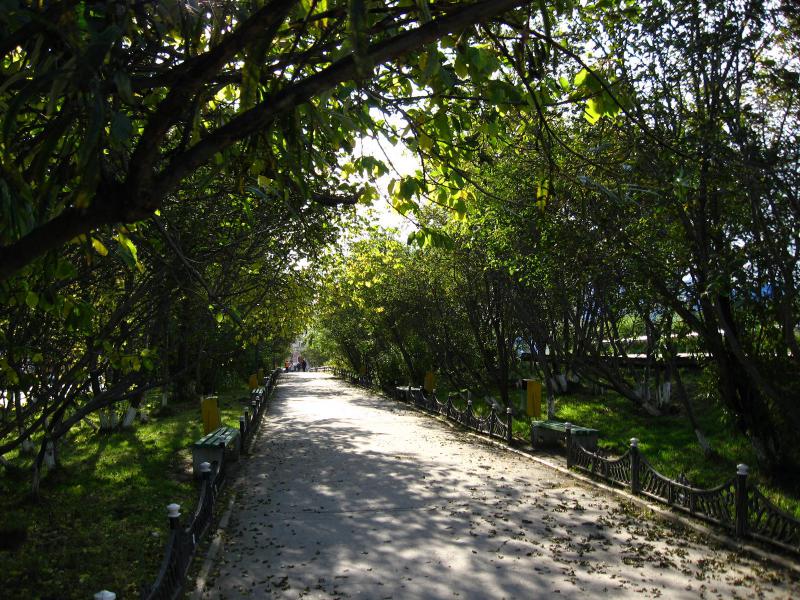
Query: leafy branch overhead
108 109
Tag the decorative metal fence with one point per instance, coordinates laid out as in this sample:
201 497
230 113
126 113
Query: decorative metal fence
182 541
736 504
495 424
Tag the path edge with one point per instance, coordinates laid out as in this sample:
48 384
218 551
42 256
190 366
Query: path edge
217 542
659 511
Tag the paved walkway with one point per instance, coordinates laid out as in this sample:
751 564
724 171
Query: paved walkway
350 496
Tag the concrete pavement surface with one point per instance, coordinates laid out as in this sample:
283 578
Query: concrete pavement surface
348 495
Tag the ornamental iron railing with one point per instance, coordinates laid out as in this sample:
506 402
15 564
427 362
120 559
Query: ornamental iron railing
737 504
497 423
183 541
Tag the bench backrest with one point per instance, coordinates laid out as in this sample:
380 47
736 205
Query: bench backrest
222 435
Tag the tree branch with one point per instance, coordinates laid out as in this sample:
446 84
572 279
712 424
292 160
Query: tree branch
135 200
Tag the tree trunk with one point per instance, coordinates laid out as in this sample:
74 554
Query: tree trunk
133 409
702 440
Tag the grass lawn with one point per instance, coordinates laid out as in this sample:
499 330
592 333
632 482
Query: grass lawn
667 441
101 520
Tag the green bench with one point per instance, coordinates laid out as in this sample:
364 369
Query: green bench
221 444
552 432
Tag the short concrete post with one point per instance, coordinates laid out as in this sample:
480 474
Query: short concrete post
105 595
174 515
510 426
247 418
635 458
468 414
205 471
254 405
568 431
741 500
243 427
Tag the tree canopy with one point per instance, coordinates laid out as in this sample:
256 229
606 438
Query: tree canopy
108 109
651 192
171 171
172 174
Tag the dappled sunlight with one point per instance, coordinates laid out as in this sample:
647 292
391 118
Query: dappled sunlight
351 495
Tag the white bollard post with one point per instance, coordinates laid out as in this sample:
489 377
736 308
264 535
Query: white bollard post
174 513
105 595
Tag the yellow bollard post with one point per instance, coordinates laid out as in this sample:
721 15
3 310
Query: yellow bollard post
209 408
534 389
253 381
430 381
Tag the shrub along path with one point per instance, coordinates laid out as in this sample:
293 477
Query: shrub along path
351 496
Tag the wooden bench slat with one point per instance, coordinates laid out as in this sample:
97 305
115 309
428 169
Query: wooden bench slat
223 435
544 432
214 445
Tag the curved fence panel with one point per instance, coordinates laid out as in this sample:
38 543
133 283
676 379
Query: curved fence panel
735 504
183 541
767 522
614 470
717 504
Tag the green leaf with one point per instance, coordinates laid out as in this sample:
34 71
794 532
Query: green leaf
99 247
460 207
408 187
425 141
429 61
8 371
32 299
129 253
461 67
65 270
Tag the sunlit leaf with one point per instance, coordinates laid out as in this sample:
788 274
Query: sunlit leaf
99 247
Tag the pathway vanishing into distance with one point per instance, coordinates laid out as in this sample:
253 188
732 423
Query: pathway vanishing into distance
348 495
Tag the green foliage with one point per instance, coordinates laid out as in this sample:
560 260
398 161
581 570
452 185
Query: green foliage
114 114
654 228
70 548
175 303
